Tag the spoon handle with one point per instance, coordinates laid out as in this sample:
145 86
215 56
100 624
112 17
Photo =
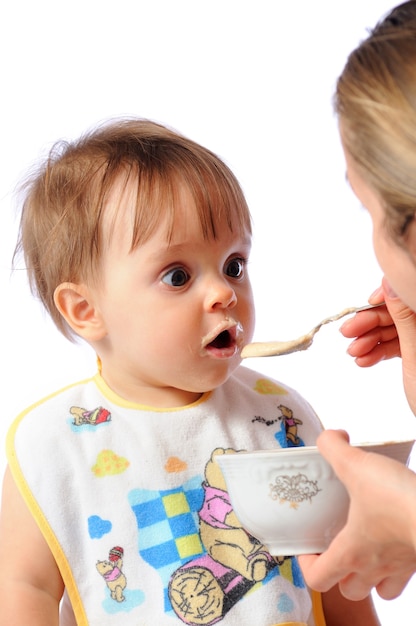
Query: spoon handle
348 311
365 307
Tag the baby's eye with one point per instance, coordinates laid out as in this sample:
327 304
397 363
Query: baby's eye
176 277
235 268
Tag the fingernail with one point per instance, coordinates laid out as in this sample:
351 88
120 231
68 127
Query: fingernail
343 325
350 349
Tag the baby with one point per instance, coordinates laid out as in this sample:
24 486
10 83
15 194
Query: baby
136 239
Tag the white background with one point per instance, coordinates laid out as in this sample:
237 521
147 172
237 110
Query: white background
253 81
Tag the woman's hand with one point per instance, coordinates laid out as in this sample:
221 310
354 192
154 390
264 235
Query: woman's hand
384 333
377 546
374 332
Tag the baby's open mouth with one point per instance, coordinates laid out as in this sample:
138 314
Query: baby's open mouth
223 340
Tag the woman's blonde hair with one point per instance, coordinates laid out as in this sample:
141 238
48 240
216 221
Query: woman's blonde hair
375 100
61 222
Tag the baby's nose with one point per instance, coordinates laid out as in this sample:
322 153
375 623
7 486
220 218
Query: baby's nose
220 295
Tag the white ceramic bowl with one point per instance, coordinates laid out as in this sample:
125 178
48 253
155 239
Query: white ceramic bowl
289 498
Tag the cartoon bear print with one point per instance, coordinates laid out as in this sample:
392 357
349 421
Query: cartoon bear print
291 424
221 532
83 416
111 570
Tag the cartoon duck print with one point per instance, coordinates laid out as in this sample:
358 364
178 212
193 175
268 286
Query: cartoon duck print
111 570
95 416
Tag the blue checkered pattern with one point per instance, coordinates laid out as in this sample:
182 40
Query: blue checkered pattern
169 527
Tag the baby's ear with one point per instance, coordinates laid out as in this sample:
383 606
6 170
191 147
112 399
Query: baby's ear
76 305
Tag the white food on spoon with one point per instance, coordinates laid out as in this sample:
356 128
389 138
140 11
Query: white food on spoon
278 348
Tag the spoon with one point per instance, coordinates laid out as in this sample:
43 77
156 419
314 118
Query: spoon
277 348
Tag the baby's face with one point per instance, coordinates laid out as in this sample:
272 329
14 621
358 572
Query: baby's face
176 313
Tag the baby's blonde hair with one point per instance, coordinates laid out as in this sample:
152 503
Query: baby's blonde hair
375 100
61 234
